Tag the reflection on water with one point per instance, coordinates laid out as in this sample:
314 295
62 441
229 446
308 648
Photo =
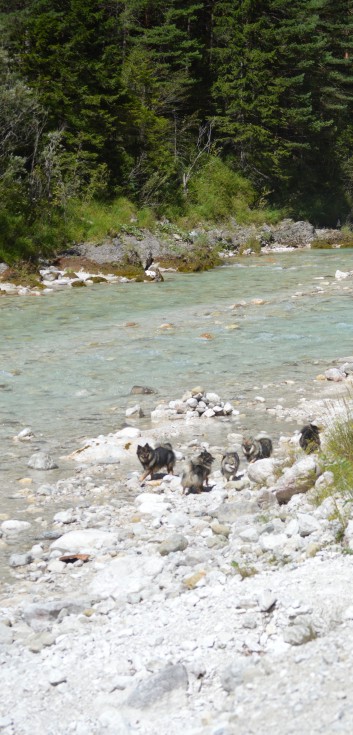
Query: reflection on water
69 360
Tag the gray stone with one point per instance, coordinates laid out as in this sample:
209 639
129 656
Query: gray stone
232 675
230 512
300 632
250 533
296 479
41 461
20 560
157 686
38 614
176 542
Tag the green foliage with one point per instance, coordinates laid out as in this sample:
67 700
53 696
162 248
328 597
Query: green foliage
339 444
203 111
217 192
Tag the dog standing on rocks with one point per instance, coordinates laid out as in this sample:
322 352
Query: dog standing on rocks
229 465
153 460
197 472
309 438
255 449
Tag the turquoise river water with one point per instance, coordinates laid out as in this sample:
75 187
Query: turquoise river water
69 359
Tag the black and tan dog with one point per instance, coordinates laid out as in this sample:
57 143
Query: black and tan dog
229 465
153 460
309 438
197 472
255 449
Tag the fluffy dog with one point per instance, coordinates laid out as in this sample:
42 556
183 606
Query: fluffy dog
229 465
197 472
153 460
309 438
255 449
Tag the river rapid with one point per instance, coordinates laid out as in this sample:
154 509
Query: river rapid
69 359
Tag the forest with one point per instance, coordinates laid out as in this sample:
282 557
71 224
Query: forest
135 109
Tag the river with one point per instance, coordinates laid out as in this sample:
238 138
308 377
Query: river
69 359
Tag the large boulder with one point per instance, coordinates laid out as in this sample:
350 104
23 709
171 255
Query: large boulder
262 472
296 479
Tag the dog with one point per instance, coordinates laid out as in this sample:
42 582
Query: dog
255 449
153 460
309 438
197 472
229 465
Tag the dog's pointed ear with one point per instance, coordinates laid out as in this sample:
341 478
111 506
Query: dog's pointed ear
139 446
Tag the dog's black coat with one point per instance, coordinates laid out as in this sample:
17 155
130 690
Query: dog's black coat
197 472
255 449
153 460
309 438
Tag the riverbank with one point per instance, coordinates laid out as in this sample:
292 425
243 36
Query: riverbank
210 613
144 256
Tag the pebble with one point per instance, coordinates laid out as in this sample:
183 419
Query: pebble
174 543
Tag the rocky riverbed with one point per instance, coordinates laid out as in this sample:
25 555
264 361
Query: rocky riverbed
140 610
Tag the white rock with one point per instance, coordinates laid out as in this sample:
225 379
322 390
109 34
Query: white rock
341 275
208 414
272 541
307 524
126 575
227 408
25 435
64 516
249 534
56 566
335 374
134 411
213 398
85 540
262 471
129 432
13 526
292 527
41 461
192 402
56 677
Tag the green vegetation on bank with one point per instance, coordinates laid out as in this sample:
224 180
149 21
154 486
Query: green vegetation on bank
118 115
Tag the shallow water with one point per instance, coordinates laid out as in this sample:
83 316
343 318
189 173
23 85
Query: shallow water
69 359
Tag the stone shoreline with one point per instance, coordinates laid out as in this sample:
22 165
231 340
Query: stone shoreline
221 613
136 257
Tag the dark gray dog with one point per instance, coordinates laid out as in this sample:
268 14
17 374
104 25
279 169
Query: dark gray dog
197 472
255 449
229 465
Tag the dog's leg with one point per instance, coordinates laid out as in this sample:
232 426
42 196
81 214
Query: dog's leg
145 474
